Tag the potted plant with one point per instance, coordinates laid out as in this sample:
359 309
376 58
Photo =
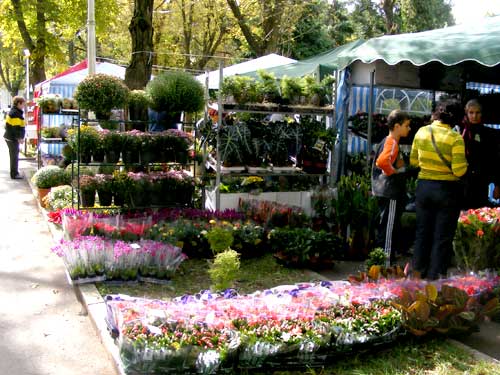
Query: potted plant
46 178
175 92
268 88
49 103
240 89
138 103
131 146
291 89
112 143
104 187
87 188
85 142
101 93
122 187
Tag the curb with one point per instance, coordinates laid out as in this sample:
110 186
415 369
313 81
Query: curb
480 356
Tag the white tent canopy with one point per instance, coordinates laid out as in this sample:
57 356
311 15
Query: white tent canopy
263 62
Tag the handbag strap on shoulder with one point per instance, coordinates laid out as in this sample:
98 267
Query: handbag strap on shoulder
438 151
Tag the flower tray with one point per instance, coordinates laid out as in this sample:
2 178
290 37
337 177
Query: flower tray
84 280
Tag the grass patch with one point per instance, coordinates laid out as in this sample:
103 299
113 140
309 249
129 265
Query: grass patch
408 357
192 276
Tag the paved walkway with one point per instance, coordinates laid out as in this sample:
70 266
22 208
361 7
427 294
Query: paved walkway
43 327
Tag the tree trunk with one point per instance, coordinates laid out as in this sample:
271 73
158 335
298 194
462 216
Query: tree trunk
138 73
37 48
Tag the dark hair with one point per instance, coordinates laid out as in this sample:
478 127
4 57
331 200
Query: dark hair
448 111
396 117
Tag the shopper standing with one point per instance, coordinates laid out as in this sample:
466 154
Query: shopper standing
14 134
389 184
439 152
482 152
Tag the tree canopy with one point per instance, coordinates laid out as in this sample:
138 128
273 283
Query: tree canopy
193 34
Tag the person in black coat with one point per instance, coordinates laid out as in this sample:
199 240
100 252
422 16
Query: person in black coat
482 146
14 134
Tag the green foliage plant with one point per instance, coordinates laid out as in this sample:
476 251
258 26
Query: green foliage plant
49 103
224 269
268 87
175 92
138 98
242 89
49 176
101 93
220 238
376 257
87 140
291 89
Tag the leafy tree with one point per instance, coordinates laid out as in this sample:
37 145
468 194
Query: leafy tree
367 20
310 36
421 15
11 68
265 24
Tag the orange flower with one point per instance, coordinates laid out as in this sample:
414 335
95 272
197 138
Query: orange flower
480 233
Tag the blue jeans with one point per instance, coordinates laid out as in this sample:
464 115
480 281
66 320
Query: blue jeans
437 210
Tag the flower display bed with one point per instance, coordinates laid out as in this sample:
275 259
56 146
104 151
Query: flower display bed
299 325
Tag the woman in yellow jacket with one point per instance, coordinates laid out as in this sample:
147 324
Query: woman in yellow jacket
439 152
14 134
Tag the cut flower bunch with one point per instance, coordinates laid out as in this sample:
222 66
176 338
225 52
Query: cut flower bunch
477 239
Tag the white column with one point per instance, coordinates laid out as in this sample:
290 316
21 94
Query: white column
91 49
27 54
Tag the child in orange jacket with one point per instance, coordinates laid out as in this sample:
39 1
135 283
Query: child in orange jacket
389 182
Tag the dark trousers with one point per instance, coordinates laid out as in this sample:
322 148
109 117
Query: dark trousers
389 226
437 211
14 156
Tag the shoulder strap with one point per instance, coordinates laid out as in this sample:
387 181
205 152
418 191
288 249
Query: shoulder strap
446 162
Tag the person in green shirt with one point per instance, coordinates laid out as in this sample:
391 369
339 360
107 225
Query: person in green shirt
439 153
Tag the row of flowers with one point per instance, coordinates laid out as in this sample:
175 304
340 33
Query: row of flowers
286 325
93 258
134 146
173 187
294 246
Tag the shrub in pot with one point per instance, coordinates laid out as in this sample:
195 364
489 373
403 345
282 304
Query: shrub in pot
46 178
101 93
112 144
240 89
138 103
49 103
175 92
267 87
87 187
291 89
104 187
86 142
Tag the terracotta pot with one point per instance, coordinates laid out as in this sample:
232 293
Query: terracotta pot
41 194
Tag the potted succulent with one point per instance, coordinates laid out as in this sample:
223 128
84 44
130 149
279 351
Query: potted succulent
104 187
175 92
101 93
46 178
87 187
